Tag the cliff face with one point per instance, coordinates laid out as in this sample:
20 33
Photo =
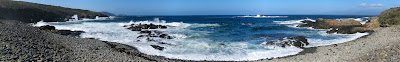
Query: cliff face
33 12
390 17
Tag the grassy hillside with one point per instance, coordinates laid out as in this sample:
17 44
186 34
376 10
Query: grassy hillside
33 12
390 17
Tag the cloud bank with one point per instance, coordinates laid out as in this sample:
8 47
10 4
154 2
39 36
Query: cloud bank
371 5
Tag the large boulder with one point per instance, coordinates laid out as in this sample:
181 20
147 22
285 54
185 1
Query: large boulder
157 47
299 41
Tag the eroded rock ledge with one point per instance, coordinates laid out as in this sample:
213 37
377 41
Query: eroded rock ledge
348 26
61 32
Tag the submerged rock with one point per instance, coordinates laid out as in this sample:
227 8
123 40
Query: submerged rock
299 41
157 47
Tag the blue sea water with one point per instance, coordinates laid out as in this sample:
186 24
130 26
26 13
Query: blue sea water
213 37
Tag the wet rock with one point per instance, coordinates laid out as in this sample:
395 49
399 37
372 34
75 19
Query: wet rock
299 41
47 27
157 47
150 35
62 32
349 30
348 26
166 36
135 28
167 43
163 27
145 32
68 32
329 23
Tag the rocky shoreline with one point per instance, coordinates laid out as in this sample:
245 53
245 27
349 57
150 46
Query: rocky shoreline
67 48
83 49
382 45
22 42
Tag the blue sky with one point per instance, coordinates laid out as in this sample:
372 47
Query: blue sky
229 7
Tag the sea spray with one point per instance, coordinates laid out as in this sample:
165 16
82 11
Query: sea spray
209 37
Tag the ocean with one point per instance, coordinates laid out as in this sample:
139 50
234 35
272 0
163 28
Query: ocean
213 37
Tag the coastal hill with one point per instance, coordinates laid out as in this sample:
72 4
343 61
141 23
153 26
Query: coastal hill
33 12
390 17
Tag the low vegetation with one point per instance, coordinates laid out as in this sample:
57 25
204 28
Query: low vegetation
390 17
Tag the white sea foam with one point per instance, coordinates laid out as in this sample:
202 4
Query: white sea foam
40 23
264 16
295 23
344 38
187 48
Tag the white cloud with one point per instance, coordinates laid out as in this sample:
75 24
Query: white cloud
371 5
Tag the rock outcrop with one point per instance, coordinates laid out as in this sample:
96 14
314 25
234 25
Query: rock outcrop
329 23
157 47
148 32
61 32
299 41
348 26
144 29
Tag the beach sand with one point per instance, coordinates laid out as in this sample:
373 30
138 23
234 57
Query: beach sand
29 43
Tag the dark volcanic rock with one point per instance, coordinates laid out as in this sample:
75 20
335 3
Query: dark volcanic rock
69 33
47 27
299 41
150 34
165 36
157 47
135 28
348 26
146 31
62 32
349 30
